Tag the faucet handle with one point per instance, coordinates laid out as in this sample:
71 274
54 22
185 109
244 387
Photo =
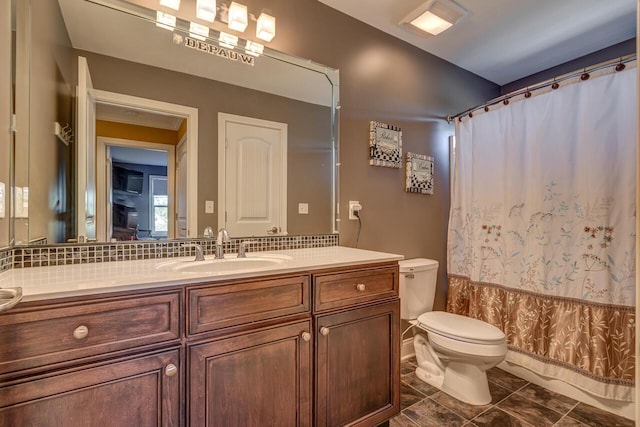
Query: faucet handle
223 236
208 232
242 250
198 248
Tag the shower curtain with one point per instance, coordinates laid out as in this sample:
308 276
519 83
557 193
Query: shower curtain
541 236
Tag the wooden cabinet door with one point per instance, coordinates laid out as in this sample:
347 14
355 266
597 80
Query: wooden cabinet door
358 366
259 379
141 391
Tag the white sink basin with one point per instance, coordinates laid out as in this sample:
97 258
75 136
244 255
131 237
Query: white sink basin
227 265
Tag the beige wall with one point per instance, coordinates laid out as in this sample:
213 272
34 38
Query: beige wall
309 165
384 79
5 113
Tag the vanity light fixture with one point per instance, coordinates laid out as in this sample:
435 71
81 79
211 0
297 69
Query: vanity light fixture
253 48
173 4
228 40
237 16
198 31
206 10
165 20
266 27
434 16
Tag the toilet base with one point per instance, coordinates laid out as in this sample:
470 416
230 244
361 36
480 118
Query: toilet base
453 373
430 375
467 382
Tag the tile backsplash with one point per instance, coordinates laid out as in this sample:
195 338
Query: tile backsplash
6 259
41 256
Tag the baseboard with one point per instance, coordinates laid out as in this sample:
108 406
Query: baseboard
407 350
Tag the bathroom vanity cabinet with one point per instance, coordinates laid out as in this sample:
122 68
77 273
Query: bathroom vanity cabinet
310 348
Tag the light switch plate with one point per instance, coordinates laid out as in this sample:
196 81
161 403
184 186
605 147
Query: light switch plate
208 206
303 208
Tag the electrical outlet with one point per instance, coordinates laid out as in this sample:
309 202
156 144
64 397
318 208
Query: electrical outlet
354 205
208 206
303 208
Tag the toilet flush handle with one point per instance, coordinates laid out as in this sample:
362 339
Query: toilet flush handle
409 276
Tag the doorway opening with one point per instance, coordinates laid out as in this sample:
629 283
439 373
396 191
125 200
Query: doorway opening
108 119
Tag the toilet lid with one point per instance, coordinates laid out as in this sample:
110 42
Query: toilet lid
461 328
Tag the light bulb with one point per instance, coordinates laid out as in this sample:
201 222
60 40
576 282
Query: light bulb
173 4
165 20
198 31
228 40
266 27
237 17
206 10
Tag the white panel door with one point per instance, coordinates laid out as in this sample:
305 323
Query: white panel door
181 190
255 176
86 153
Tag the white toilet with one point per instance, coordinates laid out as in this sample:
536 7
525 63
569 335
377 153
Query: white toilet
453 352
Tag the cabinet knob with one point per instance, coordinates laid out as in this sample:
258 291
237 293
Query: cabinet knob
324 331
80 332
361 287
306 336
170 370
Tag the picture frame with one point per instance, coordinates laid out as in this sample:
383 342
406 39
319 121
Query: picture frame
385 145
419 173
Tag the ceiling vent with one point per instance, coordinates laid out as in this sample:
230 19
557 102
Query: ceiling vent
434 16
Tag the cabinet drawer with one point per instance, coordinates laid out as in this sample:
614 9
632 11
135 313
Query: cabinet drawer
354 287
54 333
220 307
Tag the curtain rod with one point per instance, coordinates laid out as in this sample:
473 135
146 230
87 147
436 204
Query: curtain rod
554 81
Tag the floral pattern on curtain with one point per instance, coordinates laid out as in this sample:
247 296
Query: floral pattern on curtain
541 236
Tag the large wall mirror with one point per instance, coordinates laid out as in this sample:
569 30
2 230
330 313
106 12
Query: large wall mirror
6 106
130 131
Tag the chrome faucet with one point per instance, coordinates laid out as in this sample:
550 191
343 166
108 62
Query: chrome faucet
223 236
198 248
242 251
208 232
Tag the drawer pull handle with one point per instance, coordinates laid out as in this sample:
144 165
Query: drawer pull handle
170 370
361 287
80 332
324 331
306 336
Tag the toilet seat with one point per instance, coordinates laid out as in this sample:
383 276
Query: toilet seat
460 328
451 347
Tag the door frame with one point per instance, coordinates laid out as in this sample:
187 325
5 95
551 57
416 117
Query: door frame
191 115
102 194
223 118
183 141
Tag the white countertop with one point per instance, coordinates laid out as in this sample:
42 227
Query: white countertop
60 281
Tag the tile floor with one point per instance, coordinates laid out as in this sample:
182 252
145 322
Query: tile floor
515 403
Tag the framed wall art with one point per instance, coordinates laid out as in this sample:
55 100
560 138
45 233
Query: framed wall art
419 174
385 145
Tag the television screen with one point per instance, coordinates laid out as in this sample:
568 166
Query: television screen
127 180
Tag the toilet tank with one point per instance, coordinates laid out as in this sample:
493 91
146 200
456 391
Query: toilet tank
418 279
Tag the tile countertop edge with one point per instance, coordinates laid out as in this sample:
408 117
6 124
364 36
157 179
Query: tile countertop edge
43 283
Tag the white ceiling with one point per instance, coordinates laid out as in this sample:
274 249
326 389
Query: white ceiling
505 40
